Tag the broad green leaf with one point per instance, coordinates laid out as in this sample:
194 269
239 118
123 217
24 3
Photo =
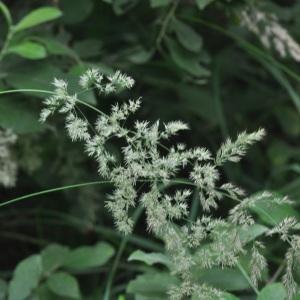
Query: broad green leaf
185 60
3 289
251 233
224 279
38 16
187 36
203 3
73 14
54 257
272 213
87 257
150 258
153 285
64 285
159 3
274 291
25 278
19 116
29 50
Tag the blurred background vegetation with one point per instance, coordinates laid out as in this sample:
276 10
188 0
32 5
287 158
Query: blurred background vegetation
192 60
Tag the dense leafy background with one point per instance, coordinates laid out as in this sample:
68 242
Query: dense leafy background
193 61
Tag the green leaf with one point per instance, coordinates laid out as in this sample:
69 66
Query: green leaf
38 16
139 55
25 278
187 36
224 279
150 258
159 3
251 233
55 47
274 291
3 289
19 116
28 49
54 257
153 285
87 257
40 77
272 213
201 4
64 285
185 60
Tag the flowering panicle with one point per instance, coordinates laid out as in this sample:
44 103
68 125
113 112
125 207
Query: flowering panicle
270 32
234 150
258 262
145 168
285 227
8 165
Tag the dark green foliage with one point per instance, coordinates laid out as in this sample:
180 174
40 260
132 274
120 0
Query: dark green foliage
194 61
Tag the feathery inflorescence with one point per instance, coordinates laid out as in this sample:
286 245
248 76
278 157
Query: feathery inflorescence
8 164
146 170
271 34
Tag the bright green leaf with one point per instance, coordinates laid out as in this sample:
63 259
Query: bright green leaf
29 50
26 278
64 285
89 256
38 16
150 258
274 291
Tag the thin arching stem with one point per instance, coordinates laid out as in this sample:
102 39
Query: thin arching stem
57 189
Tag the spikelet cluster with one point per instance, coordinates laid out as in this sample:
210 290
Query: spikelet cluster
8 165
145 171
271 34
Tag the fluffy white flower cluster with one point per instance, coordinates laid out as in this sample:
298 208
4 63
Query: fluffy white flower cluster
270 32
8 165
147 169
